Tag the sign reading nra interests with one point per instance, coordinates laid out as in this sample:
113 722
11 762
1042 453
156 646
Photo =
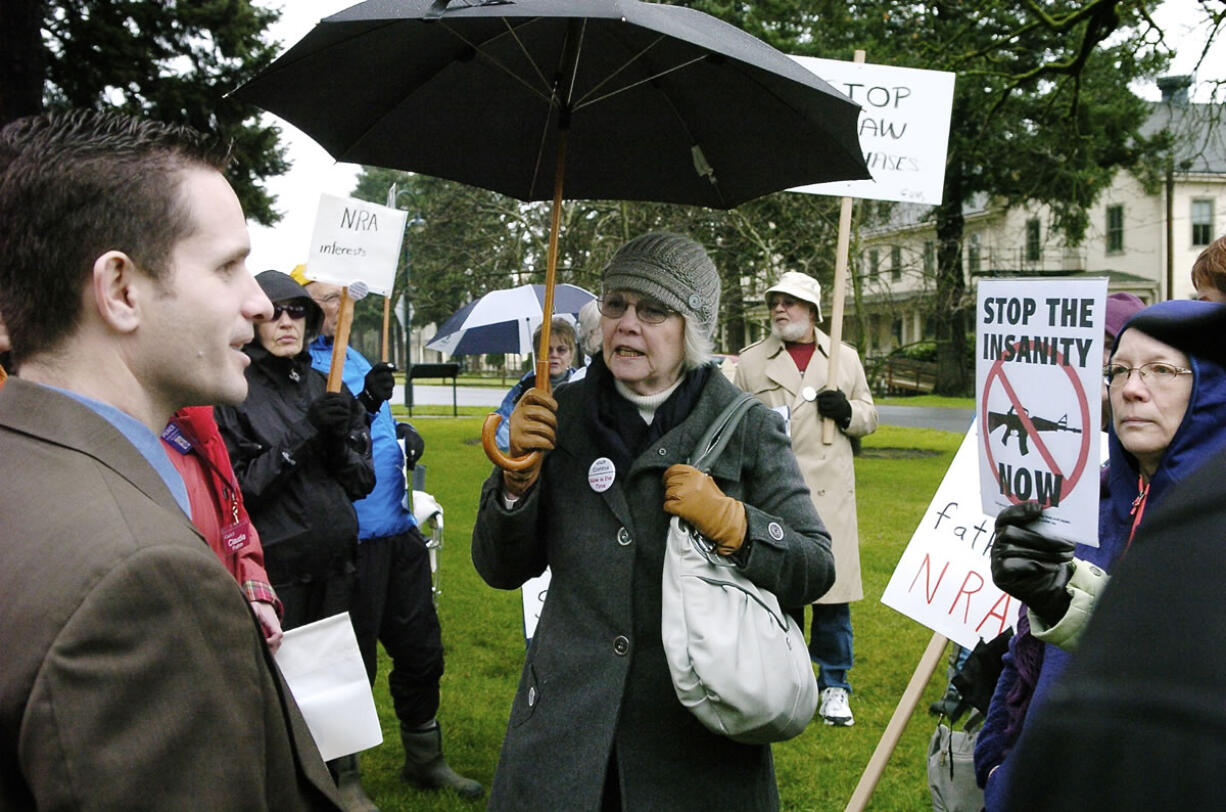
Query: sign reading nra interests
1039 357
356 241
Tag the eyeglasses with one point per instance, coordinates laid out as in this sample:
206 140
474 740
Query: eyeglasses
1155 373
779 299
296 310
648 311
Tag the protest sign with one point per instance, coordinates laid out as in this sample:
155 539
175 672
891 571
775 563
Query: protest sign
944 578
904 128
533 592
1038 383
356 241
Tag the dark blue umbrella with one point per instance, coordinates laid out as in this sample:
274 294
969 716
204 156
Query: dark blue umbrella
503 320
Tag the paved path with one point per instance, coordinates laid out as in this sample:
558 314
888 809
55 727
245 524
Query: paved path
945 419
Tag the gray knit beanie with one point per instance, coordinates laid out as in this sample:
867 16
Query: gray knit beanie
671 269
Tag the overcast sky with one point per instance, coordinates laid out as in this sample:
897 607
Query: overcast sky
314 172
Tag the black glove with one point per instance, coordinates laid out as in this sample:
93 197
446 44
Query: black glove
1031 567
833 404
378 386
330 414
414 445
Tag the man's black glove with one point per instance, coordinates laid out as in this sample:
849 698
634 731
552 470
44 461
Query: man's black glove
330 414
833 404
378 386
1032 568
414 445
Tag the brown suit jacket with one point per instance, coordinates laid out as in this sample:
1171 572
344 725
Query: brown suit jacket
132 673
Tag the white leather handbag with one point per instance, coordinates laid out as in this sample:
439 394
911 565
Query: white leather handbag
738 662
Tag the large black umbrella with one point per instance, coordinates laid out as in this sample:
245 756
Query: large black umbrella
611 99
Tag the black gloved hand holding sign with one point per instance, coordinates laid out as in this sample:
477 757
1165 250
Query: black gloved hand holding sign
1032 567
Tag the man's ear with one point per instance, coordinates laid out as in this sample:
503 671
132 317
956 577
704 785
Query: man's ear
117 294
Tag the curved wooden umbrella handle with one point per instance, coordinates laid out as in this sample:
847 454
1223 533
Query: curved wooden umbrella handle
506 463
490 426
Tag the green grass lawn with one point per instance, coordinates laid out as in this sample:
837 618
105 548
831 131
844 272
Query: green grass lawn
816 771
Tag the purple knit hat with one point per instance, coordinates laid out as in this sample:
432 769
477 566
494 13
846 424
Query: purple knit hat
1120 308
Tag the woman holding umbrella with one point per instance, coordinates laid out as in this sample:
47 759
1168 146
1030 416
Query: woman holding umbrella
596 723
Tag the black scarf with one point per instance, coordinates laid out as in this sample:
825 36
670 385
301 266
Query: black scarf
615 422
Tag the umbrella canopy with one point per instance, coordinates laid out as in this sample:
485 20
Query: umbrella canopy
613 99
503 320
653 102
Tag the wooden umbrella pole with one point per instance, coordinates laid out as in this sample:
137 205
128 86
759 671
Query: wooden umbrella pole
387 317
837 295
551 268
898 722
340 341
490 427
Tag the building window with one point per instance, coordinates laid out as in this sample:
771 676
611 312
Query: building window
895 263
972 254
896 332
874 262
1033 235
1202 222
1115 229
930 256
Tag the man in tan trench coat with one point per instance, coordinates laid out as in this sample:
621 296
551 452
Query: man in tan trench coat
787 371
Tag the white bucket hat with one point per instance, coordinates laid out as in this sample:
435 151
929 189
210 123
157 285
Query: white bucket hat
799 286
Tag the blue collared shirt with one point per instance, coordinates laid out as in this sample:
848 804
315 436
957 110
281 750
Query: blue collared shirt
146 442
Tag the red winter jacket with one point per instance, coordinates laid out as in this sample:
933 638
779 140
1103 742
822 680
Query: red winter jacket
200 456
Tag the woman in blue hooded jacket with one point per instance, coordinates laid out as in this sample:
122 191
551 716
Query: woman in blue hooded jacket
1167 388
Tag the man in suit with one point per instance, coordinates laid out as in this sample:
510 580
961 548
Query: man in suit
134 675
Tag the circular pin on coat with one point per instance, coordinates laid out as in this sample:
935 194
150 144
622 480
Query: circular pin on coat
809 393
600 474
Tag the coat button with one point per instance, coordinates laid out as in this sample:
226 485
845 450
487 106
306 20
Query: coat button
775 530
662 452
532 696
623 536
621 645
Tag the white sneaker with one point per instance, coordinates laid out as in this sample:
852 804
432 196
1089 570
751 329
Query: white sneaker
834 708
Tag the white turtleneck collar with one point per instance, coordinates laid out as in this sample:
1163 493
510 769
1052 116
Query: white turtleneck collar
646 404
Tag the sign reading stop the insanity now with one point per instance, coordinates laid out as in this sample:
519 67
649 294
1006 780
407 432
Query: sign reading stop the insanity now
1039 357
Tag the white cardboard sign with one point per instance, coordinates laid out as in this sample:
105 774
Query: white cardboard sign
944 578
903 127
1038 386
356 241
534 591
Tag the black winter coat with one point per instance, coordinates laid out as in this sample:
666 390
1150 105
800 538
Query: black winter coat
298 485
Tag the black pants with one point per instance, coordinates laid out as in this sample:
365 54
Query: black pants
307 602
392 605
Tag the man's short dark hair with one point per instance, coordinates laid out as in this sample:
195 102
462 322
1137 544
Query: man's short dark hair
74 185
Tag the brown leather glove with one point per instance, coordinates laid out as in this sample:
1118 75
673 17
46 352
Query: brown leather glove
694 496
533 425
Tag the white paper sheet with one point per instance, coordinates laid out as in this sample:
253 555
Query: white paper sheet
324 670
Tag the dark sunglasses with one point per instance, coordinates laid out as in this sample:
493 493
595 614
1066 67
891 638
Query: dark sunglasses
296 310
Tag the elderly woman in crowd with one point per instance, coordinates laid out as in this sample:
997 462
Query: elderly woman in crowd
596 723
1168 409
561 368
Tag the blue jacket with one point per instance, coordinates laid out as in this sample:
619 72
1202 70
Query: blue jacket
383 512
1200 436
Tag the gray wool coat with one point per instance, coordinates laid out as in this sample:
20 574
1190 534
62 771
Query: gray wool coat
595 682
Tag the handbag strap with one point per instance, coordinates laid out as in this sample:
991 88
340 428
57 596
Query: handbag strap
717 435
